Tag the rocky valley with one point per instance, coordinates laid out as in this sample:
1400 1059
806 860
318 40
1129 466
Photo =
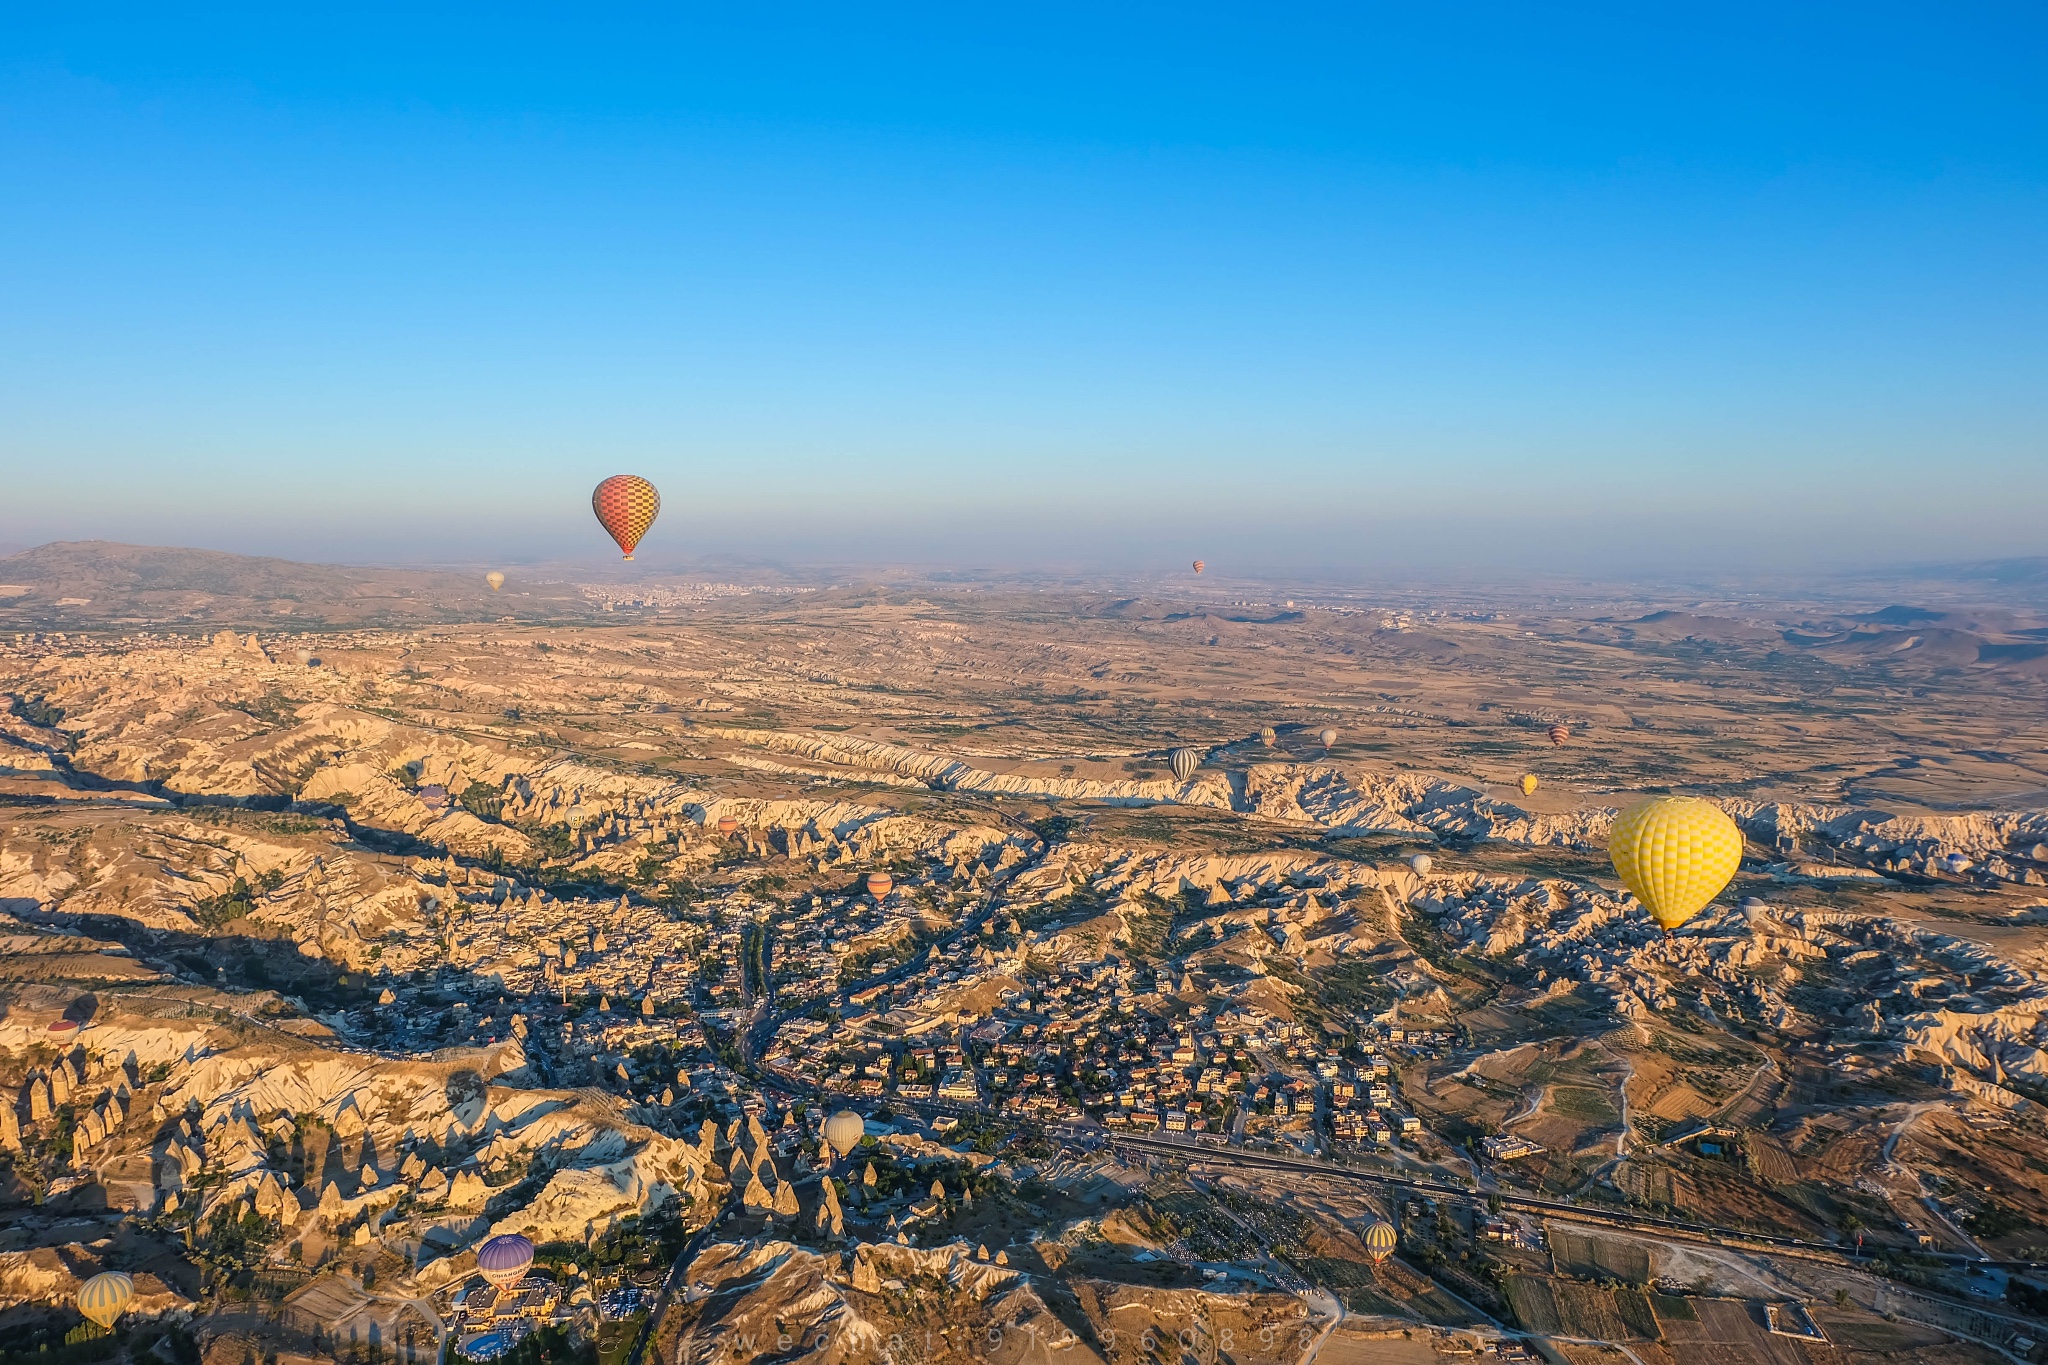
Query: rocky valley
1164 949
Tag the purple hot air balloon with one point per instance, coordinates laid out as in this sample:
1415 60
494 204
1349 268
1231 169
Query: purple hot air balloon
505 1258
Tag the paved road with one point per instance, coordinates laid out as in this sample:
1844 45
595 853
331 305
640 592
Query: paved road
1584 1213
676 1273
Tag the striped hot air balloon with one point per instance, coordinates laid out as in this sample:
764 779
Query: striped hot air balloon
505 1259
1199 566
103 1297
1184 762
1268 736
727 826
1380 1241
1676 853
880 884
626 505
1559 734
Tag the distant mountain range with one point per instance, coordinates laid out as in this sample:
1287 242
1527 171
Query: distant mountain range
102 583
2019 571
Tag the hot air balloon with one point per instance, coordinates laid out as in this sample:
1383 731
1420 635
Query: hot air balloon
879 884
843 1130
1528 784
504 1259
727 825
626 505
1380 1241
102 1297
1267 735
1559 734
1328 737
1184 762
1422 863
1676 853
1958 863
495 579
1198 566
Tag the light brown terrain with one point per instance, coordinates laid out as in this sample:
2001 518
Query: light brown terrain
327 954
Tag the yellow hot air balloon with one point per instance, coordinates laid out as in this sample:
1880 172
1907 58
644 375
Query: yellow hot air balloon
1528 784
495 579
1380 1241
102 1297
1676 853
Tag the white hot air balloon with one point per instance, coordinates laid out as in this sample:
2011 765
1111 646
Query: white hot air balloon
1422 863
1184 762
843 1130
1328 737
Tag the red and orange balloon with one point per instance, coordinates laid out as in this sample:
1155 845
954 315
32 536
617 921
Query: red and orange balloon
626 505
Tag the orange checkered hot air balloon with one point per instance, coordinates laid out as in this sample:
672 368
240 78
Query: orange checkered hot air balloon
626 505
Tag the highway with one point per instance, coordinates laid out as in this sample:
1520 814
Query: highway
1636 1222
1219 1153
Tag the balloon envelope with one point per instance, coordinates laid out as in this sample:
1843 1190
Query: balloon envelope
102 1297
1328 737
1380 1241
1184 762
1528 783
1267 735
626 505
1198 566
843 1130
495 579
879 885
1422 863
1559 734
1676 853
505 1259
727 825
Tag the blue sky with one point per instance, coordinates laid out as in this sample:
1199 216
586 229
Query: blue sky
1330 286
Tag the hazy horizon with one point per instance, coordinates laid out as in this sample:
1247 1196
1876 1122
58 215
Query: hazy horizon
1360 290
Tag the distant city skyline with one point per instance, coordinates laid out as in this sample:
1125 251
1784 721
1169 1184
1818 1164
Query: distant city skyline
1335 287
